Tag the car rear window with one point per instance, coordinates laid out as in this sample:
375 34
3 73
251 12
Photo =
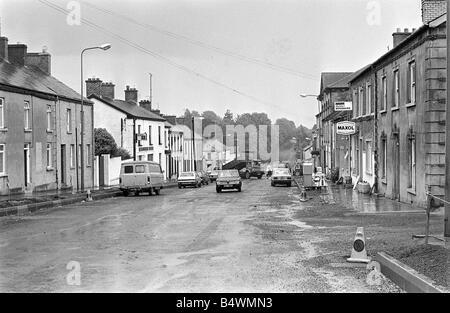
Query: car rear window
228 173
155 168
140 169
128 169
281 171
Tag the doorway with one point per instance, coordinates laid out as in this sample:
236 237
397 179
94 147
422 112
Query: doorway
63 165
26 164
396 163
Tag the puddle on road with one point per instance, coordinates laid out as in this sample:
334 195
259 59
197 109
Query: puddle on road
366 203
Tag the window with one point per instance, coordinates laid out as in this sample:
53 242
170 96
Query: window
355 103
2 159
2 113
49 117
396 95
412 160
88 155
150 135
383 157
79 156
412 83
69 120
72 156
27 115
128 169
49 155
384 93
160 158
140 169
159 136
149 157
139 133
361 102
368 99
368 157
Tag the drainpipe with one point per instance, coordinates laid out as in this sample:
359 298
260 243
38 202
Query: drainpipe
375 124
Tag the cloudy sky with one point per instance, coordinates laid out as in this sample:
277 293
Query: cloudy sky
242 55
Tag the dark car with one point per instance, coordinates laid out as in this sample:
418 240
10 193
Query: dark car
228 179
213 175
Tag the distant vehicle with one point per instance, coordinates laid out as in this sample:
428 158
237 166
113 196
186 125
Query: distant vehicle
141 176
205 177
252 169
189 179
213 175
228 179
281 176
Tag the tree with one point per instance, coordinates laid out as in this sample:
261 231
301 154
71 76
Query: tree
105 144
228 118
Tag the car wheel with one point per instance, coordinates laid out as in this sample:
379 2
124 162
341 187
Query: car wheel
272 184
289 184
136 193
239 189
150 192
247 175
179 186
126 193
218 190
157 191
259 177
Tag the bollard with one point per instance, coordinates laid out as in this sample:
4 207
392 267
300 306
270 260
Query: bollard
303 196
89 196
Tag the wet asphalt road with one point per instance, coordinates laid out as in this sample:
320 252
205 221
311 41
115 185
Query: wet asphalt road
189 240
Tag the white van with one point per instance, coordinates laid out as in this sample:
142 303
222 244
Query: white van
141 176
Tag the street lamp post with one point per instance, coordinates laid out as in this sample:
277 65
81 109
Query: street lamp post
102 47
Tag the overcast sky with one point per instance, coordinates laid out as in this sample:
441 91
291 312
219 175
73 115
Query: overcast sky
305 36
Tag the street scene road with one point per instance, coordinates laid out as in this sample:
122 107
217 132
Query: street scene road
189 240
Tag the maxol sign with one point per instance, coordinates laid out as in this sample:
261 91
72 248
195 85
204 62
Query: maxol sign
345 128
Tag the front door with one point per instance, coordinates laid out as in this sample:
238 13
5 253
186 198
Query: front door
396 161
26 164
63 165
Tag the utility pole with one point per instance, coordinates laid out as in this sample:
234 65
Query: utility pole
447 135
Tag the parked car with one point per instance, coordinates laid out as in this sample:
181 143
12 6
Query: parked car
213 175
204 177
189 179
228 179
141 176
281 176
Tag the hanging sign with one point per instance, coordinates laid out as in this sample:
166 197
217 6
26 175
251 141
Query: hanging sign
345 128
343 106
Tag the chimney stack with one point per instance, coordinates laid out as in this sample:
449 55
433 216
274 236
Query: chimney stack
93 87
399 36
17 53
41 60
432 9
107 90
146 104
131 94
4 48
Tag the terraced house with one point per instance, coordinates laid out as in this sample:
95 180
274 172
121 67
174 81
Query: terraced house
399 106
39 125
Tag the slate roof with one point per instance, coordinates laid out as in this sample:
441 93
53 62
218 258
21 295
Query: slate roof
130 108
329 78
33 79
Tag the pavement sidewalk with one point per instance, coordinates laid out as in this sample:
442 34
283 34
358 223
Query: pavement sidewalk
21 204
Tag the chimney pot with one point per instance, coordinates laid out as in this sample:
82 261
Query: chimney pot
93 87
131 94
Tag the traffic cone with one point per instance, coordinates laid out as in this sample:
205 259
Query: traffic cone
359 253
